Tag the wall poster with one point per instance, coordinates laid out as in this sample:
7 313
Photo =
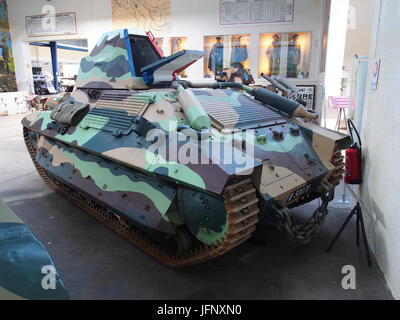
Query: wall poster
51 24
224 51
307 93
7 71
153 15
256 11
285 54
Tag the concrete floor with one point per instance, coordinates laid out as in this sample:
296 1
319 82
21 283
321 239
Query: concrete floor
95 263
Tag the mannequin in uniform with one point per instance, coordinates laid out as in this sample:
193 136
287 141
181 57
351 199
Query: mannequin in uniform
294 56
274 55
239 53
216 61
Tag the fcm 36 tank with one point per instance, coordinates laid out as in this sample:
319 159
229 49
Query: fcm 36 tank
183 170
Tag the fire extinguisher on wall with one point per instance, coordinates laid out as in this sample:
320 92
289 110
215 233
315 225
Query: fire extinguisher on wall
353 158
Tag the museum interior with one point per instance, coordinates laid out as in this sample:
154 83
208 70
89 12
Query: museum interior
190 150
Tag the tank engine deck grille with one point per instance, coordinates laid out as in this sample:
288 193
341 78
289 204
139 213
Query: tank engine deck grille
132 103
240 112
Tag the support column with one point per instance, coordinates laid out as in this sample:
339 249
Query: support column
54 64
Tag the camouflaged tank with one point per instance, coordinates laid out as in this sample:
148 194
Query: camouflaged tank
184 171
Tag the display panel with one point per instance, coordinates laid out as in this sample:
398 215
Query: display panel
51 24
223 51
256 11
307 93
285 54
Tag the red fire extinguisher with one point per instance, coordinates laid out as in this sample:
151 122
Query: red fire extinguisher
353 158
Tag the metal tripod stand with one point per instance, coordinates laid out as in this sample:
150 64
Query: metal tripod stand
359 223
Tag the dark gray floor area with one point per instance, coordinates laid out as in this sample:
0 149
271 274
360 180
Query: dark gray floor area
95 263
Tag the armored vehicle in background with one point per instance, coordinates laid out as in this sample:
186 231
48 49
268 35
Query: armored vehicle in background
26 268
184 171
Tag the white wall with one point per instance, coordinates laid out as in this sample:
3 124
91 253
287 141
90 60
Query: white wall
190 18
358 37
381 137
353 36
93 18
336 45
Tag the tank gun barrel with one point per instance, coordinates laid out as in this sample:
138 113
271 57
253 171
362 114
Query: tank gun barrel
283 81
275 83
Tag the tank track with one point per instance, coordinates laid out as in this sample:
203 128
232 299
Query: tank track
338 162
241 205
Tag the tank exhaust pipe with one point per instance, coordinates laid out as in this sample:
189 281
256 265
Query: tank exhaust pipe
192 108
293 109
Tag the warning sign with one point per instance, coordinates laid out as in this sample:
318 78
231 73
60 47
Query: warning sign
375 74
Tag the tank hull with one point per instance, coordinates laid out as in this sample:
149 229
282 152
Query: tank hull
183 171
239 224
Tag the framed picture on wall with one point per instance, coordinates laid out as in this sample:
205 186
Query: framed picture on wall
285 54
307 93
224 51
